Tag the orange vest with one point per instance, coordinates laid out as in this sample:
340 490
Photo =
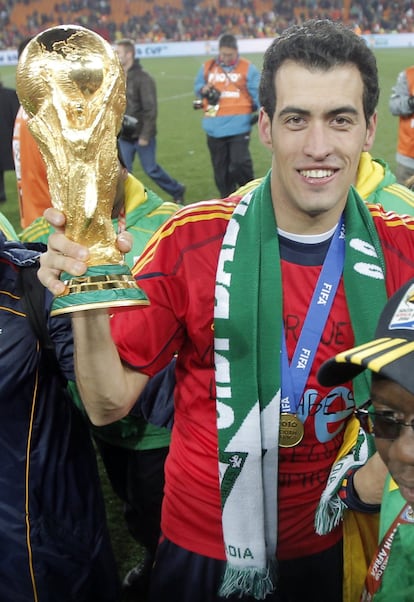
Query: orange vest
32 184
405 144
235 98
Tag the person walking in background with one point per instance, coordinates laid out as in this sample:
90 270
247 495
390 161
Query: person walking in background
138 134
9 105
32 184
228 86
401 105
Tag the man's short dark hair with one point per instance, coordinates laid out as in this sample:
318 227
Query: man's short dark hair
320 45
228 40
127 43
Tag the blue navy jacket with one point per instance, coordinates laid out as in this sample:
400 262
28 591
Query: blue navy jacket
54 544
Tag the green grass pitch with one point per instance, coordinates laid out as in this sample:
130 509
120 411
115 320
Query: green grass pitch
181 143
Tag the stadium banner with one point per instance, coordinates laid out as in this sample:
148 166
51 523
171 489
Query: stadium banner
246 46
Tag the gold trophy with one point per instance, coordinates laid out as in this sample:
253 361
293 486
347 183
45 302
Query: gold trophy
72 86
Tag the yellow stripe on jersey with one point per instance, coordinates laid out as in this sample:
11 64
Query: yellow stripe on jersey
166 208
198 212
402 192
36 230
391 219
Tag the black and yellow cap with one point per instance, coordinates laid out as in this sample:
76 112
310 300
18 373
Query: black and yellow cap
390 353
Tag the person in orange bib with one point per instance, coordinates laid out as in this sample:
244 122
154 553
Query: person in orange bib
228 86
401 105
32 183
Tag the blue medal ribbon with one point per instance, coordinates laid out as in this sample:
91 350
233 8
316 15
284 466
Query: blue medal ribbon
295 374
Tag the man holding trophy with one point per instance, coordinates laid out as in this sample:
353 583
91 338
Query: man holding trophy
54 542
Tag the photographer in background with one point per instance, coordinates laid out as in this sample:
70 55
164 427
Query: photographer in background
138 134
401 105
228 86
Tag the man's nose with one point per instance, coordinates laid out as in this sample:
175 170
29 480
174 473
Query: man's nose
318 141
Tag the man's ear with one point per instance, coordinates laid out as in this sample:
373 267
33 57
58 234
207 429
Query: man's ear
370 135
265 129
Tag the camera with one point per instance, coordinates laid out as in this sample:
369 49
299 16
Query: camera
212 95
129 128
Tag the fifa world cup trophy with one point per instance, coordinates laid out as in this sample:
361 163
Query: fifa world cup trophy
72 86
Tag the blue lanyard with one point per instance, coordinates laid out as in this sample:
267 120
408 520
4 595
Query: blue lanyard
295 375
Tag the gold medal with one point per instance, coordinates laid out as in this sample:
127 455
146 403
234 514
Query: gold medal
290 431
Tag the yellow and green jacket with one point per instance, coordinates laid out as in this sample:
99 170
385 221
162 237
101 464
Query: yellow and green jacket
377 184
7 228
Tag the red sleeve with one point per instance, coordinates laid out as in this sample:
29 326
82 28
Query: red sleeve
396 234
177 271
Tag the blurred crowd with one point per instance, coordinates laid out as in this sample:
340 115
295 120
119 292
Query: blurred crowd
187 20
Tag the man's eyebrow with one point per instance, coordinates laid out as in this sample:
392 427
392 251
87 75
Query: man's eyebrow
292 109
348 109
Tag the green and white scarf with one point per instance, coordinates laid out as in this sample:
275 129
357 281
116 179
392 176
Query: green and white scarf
247 323
330 509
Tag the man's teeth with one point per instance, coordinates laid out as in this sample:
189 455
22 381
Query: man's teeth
316 173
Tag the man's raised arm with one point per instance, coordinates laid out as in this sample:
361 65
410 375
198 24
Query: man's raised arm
108 388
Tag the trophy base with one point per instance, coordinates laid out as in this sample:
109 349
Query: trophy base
102 287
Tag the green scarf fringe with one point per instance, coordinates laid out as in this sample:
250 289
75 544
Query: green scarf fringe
330 509
329 515
255 582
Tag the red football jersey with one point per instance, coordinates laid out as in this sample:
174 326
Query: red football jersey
178 271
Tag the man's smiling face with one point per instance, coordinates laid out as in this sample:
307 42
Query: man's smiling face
316 136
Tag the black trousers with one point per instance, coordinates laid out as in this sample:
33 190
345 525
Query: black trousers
137 478
232 162
182 576
2 187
